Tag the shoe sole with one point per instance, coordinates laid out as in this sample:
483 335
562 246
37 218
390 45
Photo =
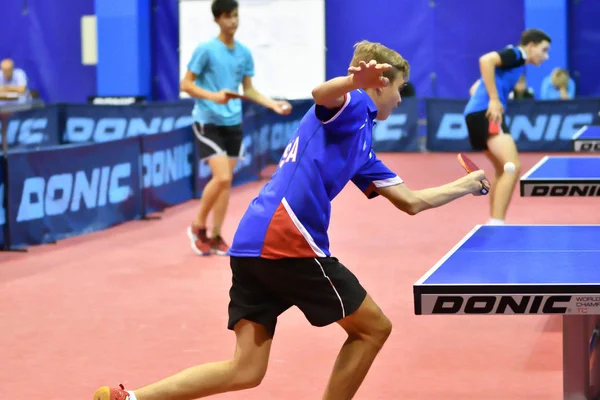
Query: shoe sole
102 394
192 238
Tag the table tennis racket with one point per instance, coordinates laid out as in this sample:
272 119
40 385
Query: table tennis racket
470 166
494 128
236 95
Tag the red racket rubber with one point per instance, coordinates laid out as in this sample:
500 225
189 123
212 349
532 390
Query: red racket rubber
494 128
470 166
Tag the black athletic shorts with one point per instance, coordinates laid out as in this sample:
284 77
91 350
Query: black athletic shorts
479 130
262 289
216 140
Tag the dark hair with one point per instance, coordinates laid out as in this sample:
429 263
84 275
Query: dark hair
220 7
535 36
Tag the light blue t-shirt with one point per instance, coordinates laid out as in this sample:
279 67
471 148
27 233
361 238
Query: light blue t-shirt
549 92
219 67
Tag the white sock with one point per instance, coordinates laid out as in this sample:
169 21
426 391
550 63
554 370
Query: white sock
491 221
131 395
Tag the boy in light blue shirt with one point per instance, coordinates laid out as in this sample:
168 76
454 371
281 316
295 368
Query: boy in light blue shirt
217 69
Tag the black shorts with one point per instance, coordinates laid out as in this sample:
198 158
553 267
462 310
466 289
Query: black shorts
216 140
262 289
479 129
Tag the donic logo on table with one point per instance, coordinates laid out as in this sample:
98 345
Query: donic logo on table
73 191
533 128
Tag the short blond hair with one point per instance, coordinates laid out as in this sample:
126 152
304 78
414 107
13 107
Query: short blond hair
367 51
560 77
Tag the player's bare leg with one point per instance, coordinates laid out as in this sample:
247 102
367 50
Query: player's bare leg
246 370
222 202
498 171
368 329
221 180
504 149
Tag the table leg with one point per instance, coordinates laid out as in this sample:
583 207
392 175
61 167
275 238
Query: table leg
581 369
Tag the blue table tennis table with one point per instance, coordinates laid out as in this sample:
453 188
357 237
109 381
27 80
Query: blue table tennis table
563 176
587 139
527 270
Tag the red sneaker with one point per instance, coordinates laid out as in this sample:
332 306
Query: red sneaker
199 240
218 246
106 393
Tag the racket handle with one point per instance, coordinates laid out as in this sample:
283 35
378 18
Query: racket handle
485 186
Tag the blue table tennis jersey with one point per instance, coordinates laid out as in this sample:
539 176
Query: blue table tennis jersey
290 216
507 75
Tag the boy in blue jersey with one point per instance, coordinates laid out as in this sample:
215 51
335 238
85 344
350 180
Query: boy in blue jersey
217 68
500 72
280 256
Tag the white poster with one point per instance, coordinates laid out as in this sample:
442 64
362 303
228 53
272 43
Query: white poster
286 38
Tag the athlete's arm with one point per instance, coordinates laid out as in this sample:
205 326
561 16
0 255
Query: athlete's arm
509 57
13 88
188 85
331 94
487 64
413 202
280 107
254 95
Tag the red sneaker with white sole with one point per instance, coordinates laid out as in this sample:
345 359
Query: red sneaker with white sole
199 241
218 246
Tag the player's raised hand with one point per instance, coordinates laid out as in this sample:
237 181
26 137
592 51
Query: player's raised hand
369 75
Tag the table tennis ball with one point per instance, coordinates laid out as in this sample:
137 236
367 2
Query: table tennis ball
509 168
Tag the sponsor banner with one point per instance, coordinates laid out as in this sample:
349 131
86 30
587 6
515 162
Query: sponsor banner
69 190
544 126
98 124
167 165
34 128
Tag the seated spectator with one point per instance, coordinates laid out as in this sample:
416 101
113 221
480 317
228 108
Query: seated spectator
521 90
13 83
558 86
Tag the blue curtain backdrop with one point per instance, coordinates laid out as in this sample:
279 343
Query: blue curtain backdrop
441 41
44 39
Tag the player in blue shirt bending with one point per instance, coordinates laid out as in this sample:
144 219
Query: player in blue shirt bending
280 253
217 68
484 113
